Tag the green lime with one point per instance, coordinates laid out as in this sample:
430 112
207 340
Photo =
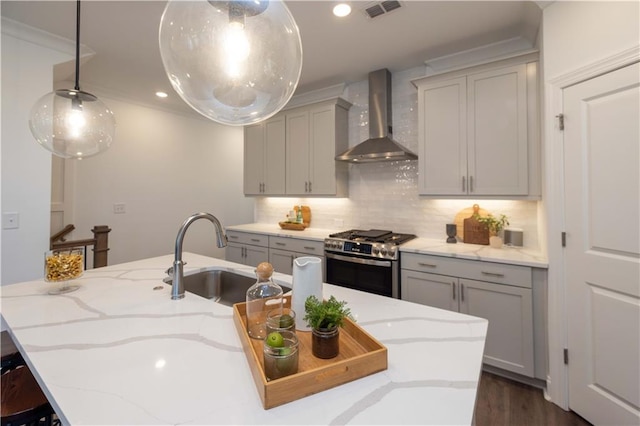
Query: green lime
286 321
285 351
288 364
275 340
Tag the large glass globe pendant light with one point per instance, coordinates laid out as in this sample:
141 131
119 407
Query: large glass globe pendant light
71 123
235 62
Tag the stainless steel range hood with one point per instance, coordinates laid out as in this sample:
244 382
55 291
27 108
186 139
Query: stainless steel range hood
380 146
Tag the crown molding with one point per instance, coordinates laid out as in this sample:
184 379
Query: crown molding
315 96
503 49
42 38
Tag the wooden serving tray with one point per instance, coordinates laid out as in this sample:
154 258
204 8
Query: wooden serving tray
292 226
306 220
360 355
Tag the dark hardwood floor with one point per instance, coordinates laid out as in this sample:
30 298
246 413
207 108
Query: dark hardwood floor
505 402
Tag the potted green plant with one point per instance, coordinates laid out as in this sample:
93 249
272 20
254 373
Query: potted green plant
325 317
494 225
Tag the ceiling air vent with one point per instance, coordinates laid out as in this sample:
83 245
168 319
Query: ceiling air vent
373 10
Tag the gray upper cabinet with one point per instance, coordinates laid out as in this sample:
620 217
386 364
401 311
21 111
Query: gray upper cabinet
264 153
478 131
294 152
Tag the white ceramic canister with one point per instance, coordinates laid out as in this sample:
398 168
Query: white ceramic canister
307 281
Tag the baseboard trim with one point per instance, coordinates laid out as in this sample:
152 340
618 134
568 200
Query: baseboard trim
531 381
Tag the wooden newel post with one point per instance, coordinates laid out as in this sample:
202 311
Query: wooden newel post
101 247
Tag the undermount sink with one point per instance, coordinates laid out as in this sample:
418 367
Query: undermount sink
219 286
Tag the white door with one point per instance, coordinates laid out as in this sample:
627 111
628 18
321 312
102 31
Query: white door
61 193
602 197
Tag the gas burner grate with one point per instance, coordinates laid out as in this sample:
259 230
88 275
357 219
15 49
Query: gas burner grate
373 236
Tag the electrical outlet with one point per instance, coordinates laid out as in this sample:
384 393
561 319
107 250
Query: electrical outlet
10 220
119 208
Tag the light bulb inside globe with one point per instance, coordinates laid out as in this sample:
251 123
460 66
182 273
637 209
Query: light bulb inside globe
72 124
236 50
235 62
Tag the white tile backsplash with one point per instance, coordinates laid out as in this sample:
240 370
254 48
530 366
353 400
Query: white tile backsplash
385 195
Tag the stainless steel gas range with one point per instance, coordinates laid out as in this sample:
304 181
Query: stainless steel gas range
365 260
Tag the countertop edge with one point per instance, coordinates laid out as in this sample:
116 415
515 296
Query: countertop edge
520 256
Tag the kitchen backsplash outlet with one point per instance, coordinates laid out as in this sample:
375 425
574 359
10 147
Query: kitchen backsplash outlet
385 195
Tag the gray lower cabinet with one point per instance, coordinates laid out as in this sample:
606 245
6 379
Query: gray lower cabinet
501 293
247 248
282 252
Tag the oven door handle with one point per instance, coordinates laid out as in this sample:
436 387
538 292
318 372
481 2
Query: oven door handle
359 260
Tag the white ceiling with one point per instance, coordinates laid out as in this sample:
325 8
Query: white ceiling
127 64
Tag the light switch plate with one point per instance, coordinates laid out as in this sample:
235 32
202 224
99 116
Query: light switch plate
10 220
119 208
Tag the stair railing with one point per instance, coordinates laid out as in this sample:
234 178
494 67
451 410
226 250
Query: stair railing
99 242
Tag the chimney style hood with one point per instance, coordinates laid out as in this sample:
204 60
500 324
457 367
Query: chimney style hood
380 146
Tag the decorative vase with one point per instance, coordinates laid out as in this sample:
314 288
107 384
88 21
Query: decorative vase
325 343
307 281
495 241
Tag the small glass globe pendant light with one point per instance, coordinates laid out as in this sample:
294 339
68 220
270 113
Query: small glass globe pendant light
71 123
235 62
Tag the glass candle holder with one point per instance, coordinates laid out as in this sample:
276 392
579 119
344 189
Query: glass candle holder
281 320
283 360
62 266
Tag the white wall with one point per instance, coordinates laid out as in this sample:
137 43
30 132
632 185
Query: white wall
385 195
163 167
27 74
574 35
579 33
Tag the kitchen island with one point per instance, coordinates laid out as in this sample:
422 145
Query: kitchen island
120 351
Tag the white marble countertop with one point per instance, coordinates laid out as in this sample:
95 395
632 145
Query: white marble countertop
119 351
311 233
510 255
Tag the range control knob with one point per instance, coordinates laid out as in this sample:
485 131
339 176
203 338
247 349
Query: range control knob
375 250
383 251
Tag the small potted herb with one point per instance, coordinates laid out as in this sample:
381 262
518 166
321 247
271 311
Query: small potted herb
494 225
325 317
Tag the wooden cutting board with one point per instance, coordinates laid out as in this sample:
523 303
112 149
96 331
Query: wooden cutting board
465 214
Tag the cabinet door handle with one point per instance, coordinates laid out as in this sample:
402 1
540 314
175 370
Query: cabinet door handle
493 274
461 292
255 240
470 183
464 184
233 237
428 265
309 248
310 190
453 286
292 259
306 186
280 244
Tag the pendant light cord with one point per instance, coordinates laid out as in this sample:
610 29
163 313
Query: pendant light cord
77 87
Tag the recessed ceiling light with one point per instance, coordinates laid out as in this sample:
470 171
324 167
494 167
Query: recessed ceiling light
161 94
341 10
